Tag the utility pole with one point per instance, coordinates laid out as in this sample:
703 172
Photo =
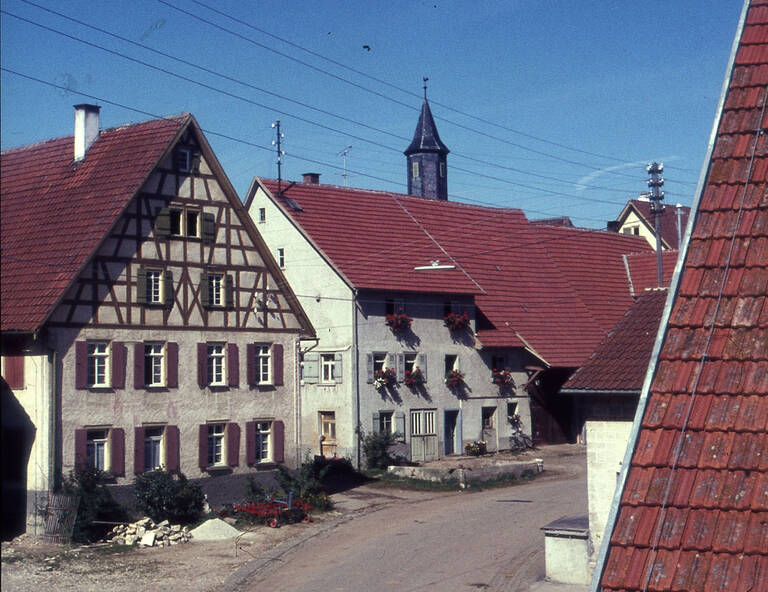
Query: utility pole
655 183
280 154
343 154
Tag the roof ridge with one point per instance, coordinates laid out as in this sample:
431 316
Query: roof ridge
15 149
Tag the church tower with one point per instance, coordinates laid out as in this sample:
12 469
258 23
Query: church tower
426 156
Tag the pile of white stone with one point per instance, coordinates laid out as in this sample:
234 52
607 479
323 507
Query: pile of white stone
146 533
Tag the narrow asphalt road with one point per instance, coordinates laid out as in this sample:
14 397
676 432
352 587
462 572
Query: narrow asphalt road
485 540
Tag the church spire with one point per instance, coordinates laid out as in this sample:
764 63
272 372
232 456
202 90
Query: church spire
427 157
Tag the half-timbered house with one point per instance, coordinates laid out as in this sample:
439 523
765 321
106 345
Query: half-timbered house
144 322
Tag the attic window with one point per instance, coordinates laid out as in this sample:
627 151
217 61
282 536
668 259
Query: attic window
187 160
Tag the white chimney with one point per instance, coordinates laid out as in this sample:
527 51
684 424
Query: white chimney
86 128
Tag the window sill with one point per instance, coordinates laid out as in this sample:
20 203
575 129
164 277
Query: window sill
218 469
156 388
265 465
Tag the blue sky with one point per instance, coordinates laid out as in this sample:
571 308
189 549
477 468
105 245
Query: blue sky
553 107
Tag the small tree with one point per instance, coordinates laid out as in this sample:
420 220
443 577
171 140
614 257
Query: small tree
96 503
376 447
165 496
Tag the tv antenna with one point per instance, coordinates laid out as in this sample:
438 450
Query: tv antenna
343 153
277 143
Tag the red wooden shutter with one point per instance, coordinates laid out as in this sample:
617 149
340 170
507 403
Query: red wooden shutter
278 438
81 364
250 353
202 364
172 364
250 442
172 448
202 455
81 449
14 371
138 450
138 366
118 365
277 364
117 452
233 444
233 365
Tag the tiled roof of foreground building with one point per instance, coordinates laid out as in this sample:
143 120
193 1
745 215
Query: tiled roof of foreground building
693 509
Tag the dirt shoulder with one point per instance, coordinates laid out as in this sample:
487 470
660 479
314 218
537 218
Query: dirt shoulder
29 565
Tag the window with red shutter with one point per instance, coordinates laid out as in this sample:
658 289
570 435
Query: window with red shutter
277 364
81 448
202 456
250 442
117 452
202 364
171 448
233 444
118 364
138 366
172 368
81 365
138 450
233 365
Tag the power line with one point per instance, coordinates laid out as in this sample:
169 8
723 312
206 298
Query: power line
299 118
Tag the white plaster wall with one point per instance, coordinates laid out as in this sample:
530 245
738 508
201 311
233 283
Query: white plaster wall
566 559
606 444
328 302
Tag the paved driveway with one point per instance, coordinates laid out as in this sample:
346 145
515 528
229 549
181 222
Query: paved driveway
407 541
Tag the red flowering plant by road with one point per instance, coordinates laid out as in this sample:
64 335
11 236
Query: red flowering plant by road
399 322
414 378
456 321
503 378
454 379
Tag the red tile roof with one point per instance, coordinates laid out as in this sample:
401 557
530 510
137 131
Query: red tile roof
54 214
620 362
642 270
531 282
668 219
693 511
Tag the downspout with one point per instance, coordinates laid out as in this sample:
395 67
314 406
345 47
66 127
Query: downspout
53 478
297 400
356 375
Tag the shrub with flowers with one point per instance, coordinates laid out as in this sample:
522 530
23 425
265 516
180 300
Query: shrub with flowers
503 378
414 378
454 379
384 378
399 322
475 448
456 321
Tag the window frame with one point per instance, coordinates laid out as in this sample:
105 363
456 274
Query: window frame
415 169
98 448
262 215
263 439
263 358
281 257
488 418
154 438
327 368
387 418
216 289
155 290
327 419
153 359
216 364
450 367
99 365
181 216
217 444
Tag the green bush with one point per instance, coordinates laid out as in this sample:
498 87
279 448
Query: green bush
376 447
307 482
166 496
96 504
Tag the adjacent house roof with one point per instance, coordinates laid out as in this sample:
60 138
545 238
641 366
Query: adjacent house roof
620 362
54 213
669 236
642 269
532 283
692 506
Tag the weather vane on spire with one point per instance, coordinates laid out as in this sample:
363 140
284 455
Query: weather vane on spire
425 87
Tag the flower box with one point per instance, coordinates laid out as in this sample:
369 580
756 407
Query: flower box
503 378
456 321
399 322
455 379
384 378
476 448
414 378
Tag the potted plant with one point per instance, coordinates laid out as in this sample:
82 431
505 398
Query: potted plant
503 378
399 322
455 379
475 448
414 378
384 378
456 321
